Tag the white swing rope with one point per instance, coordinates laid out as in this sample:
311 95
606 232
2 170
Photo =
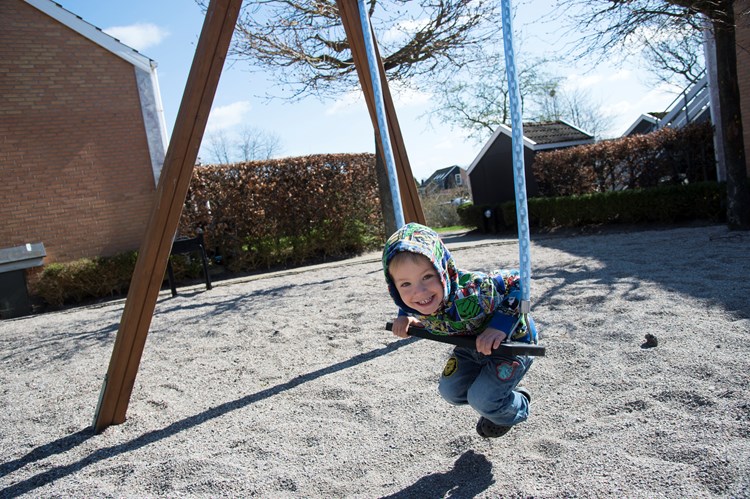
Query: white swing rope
385 138
519 178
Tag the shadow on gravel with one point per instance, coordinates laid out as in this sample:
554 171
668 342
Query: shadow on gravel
694 260
705 262
470 476
66 444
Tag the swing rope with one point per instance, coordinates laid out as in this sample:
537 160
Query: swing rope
385 138
519 179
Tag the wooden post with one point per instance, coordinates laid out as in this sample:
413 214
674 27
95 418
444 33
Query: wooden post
349 13
182 153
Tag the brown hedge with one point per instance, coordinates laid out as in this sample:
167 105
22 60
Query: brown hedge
275 212
666 156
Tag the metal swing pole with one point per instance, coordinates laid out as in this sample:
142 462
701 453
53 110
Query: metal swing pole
385 139
519 178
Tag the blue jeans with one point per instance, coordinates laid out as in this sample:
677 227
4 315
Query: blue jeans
487 384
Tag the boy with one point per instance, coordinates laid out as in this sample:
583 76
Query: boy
431 292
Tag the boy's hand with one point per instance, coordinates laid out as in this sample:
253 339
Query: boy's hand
489 340
401 325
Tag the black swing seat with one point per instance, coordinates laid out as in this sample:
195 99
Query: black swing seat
508 347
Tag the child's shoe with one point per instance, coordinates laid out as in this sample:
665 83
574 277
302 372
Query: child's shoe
488 429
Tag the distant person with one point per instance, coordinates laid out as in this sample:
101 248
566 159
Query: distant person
432 293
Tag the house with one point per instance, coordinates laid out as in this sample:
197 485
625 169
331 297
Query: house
691 106
448 178
82 134
491 172
645 123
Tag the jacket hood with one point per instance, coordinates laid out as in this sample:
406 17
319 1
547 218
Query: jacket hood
422 240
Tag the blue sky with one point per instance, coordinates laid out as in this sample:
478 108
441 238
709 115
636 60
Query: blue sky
167 31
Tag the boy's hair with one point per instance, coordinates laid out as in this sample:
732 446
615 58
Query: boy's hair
407 255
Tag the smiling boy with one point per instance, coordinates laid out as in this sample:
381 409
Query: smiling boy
431 292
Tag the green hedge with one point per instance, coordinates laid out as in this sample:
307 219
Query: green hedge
667 204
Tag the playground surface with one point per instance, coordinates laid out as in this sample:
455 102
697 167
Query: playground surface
287 385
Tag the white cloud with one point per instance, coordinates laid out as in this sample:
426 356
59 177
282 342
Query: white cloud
224 117
626 111
348 103
619 75
575 80
408 97
353 101
140 36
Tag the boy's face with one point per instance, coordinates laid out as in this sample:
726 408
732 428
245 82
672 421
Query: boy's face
418 284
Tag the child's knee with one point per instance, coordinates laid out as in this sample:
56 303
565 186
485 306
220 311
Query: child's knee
452 393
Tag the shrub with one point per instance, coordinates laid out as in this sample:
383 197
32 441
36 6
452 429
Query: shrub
253 215
84 279
440 209
261 214
664 205
666 156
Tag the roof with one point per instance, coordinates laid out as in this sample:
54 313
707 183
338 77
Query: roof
540 136
553 132
439 175
644 123
96 35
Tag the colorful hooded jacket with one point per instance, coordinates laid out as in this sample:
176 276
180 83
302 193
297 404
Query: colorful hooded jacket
472 301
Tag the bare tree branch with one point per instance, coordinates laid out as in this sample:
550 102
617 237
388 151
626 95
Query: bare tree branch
303 43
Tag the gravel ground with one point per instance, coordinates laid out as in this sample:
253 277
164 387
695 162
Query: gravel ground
287 385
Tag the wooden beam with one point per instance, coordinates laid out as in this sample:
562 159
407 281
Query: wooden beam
174 181
349 12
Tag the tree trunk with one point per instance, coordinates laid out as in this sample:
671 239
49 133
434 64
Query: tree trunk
738 195
709 50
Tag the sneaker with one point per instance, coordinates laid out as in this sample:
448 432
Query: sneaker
488 429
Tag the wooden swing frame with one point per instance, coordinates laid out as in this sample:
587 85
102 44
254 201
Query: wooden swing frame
216 34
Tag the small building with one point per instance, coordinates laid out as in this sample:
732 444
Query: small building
645 123
491 172
444 179
82 134
693 105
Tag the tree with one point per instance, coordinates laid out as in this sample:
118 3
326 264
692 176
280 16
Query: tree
676 56
219 147
254 144
478 99
251 144
302 45
625 24
576 107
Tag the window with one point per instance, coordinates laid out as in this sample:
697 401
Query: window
458 179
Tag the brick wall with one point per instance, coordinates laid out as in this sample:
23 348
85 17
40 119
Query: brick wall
75 172
743 70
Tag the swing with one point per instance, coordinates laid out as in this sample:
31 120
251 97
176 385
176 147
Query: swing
179 161
519 182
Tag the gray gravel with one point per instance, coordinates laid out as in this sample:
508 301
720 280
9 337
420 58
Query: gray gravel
288 386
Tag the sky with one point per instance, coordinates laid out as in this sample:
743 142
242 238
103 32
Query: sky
167 32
